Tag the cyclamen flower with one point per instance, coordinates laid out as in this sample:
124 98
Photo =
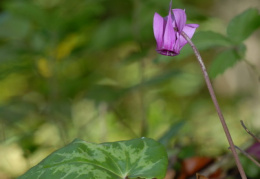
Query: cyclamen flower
167 31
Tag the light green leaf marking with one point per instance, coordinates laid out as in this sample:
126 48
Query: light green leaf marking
144 158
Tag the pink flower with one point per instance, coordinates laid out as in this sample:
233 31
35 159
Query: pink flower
167 31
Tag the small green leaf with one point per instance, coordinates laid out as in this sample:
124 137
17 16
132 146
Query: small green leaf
251 169
29 11
143 157
101 93
223 61
134 56
243 25
9 27
111 32
241 50
169 134
158 79
208 39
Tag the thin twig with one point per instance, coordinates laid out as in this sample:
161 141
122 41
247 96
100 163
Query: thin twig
253 67
214 99
250 133
248 156
223 160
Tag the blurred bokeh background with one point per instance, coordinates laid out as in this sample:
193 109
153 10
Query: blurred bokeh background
88 69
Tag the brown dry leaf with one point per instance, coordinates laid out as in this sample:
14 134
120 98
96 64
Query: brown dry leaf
170 174
198 176
194 164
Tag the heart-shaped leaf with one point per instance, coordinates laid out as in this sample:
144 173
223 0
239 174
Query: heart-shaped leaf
223 61
243 25
143 158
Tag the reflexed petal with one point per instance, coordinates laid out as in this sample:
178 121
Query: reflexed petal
170 7
189 29
180 18
193 25
169 34
177 46
158 29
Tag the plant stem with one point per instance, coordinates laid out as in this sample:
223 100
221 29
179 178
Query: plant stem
248 156
248 131
214 99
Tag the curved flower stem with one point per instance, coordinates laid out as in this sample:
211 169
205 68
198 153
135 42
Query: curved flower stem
214 99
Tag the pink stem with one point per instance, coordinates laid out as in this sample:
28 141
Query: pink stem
214 99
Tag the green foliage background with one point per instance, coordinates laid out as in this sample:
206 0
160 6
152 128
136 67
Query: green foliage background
88 69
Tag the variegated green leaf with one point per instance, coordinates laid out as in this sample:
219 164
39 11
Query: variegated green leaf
143 157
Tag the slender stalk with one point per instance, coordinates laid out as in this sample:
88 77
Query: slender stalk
253 67
214 99
248 156
248 131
